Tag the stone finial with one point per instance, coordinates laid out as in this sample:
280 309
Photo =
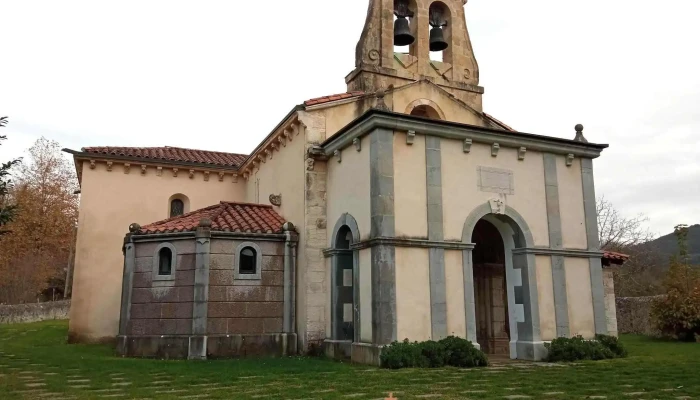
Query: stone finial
133 228
288 227
381 105
205 223
579 134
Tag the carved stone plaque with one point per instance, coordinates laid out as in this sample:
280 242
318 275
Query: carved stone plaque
495 180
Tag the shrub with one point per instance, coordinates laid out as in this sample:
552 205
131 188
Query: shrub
612 343
450 351
677 314
462 353
577 348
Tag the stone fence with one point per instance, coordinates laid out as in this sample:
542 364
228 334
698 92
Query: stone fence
634 315
34 312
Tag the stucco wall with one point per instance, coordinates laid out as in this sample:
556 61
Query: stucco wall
34 312
412 294
461 193
579 297
366 295
110 201
573 217
348 189
454 278
410 193
545 295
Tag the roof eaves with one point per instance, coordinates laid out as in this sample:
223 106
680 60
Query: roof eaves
141 160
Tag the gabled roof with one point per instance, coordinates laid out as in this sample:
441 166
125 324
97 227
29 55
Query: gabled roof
333 97
174 154
225 217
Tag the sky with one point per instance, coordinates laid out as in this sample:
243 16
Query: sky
219 75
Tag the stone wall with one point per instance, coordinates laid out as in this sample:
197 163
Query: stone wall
35 312
162 307
634 315
245 306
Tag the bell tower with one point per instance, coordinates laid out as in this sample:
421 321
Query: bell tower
423 27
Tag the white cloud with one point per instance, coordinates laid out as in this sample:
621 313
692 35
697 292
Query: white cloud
220 75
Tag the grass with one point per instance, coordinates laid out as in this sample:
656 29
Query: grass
36 363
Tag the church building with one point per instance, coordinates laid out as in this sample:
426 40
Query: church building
397 210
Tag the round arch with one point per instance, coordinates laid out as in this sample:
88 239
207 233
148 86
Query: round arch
428 105
345 283
349 221
521 278
185 204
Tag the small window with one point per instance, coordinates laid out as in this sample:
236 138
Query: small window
165 261
177 208
248 261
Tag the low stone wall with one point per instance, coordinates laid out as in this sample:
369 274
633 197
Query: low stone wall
34 312
634 315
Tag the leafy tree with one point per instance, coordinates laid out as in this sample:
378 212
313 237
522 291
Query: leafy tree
7 209
678 312
37 249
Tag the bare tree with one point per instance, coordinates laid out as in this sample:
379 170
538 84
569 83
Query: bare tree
643 274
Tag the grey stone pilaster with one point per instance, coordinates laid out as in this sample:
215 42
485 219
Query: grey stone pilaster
383 225
438 296
127 284
561 304
289 274
198 340
596 267
469 299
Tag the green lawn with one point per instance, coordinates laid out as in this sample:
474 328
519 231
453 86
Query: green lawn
35 363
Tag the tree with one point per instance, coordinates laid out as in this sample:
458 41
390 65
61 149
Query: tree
678 312
642 273
7 209
37 249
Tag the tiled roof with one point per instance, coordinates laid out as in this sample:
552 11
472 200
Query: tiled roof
177 154
225 217
610 257
499 123
334 97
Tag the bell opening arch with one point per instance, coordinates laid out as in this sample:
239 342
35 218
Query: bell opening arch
522 302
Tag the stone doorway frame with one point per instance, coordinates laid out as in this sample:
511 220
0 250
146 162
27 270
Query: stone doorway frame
346 220
521 278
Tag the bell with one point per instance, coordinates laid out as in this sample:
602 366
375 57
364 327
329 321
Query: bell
402 32
437 39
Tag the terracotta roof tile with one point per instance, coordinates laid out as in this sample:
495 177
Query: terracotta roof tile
225 217
498 123
610 257
334 97
177 154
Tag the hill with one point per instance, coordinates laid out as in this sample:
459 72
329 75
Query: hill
668 245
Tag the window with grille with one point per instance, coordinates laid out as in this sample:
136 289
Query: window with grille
248 261
177 208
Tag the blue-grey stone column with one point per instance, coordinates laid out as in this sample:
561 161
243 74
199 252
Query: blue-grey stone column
469 298
198 340
381 152
289 274
589 206
561 303
438 296
127 284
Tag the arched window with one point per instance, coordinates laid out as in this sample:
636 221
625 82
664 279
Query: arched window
177 208
248 262
426 111
165 261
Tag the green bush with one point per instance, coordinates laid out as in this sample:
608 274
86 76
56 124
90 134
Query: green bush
578 348
450 351
612 343
462 353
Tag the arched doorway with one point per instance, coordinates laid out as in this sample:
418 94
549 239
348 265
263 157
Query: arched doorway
494 228
344 280
490 290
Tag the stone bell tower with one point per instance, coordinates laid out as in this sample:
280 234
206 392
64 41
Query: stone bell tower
429 26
